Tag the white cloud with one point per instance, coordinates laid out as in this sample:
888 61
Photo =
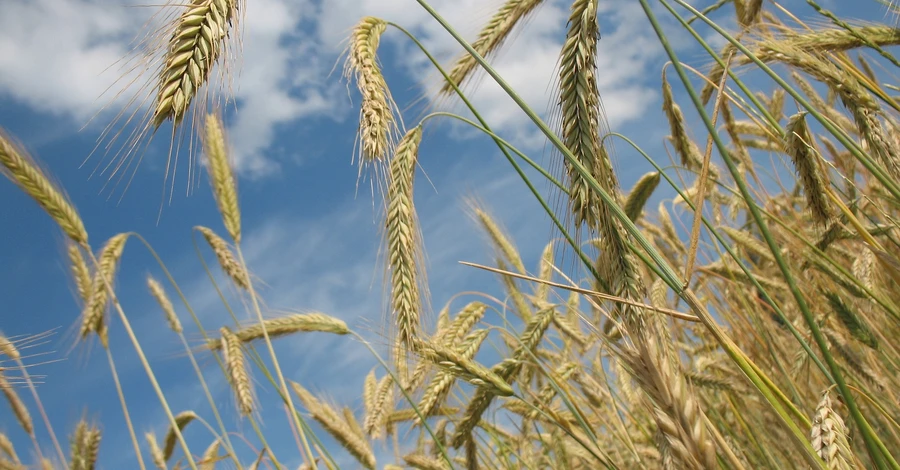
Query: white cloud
57 57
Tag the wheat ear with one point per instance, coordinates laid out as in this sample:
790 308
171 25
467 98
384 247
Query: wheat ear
238 376
376 118
16 165
404 242
490 39
95 310
358 447
287 325
226 258
196 44
222 176
156 289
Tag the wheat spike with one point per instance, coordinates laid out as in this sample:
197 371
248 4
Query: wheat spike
162 299
16 404
287 325
377 125
156 453
95 309
80 273
85 445
404 242
210 456
6 446
181 420
238 376
226 258
490 39
798 145
195 45
358 447
829 436
28 176
220 171
640 194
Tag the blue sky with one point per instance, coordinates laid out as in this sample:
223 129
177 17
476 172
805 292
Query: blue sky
310 237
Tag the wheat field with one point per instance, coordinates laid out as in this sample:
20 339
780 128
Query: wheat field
755 332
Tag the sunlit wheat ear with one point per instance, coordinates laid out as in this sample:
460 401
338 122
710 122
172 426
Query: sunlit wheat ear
6 446
8 349
222 176
382 400
377 126
491 38
439 387
507 370
498 237
640 194
196 44
158 293
238 376
424 462
210 456
85 446
181 420
95 309
466 369
404 242
226 258
798 145
829 436
28 176
580 113
81 274
355 444
156 453
685 147
297 323
16 404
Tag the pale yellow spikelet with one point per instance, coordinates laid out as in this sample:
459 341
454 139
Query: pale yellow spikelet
439 387
215 146
8 349
424 462
85 446
490 38
156 453
16 165
226 258
382 404
80 272
499 238
377 125
105 273
685 147
181 420
195 45
210 456
829 436
238 376
6 446
466 369
290 324
798 145
156 289
355 444
404 242
545 273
